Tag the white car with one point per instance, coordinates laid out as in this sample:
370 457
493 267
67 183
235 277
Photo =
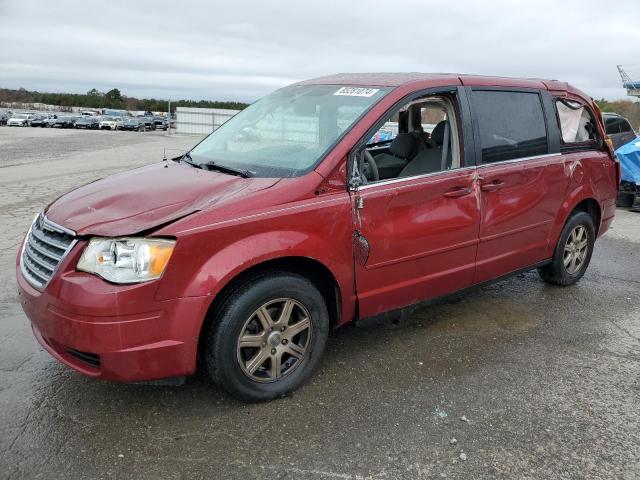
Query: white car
20 120
111 123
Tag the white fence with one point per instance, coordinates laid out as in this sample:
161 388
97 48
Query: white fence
201 120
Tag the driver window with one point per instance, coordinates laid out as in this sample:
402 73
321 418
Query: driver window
419 138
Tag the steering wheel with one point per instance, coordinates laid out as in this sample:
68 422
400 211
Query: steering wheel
369 167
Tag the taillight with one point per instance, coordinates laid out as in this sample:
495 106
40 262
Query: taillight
618 174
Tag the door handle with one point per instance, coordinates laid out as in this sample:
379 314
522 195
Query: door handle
457 192
492 187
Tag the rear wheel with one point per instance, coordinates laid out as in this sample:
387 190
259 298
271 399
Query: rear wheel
267 336
573 251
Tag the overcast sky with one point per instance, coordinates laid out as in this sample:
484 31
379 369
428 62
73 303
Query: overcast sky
241 50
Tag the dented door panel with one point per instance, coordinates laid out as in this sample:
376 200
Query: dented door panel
421 239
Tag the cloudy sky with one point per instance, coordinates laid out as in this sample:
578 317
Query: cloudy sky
241 50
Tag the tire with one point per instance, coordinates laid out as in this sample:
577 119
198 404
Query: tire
625 199
228 363
557 272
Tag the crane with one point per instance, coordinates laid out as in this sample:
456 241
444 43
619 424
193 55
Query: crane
632 86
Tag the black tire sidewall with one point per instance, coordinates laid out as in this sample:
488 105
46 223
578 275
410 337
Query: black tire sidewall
579 218
222 357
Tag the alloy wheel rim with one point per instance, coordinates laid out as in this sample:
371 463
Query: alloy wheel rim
575 249
274 340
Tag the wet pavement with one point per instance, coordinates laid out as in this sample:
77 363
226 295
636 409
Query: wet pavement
546 378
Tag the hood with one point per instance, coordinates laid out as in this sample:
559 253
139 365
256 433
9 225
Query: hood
137 200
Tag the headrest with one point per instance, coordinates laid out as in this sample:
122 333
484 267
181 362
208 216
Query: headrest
405 145
437 135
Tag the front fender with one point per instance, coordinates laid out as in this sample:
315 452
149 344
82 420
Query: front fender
248 252
208 257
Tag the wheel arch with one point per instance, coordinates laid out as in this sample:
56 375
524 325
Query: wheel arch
311 269
592 207
586 203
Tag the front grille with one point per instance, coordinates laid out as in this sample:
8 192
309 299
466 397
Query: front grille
45 247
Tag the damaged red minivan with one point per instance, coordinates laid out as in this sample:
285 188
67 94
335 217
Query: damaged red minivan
342 198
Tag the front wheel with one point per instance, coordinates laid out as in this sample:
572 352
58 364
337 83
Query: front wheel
267 336
573 251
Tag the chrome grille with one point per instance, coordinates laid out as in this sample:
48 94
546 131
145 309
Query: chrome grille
45 247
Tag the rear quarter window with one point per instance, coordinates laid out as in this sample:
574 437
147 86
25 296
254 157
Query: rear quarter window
511 124
577 124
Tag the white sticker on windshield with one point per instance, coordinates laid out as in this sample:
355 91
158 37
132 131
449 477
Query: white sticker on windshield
357 91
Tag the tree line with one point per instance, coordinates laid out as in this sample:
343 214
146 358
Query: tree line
113 99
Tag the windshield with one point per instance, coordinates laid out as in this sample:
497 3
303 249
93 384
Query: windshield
287 133
21 115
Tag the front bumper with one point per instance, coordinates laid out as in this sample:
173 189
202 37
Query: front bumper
114 332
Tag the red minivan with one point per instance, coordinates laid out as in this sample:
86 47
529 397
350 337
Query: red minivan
342 198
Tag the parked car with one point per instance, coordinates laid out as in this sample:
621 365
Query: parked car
149 122
20 120
40 120
87 122
246 251
4 117
619 129
64 121
161 123
49 122
111 123
133 124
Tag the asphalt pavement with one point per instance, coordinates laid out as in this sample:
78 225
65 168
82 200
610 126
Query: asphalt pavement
515 380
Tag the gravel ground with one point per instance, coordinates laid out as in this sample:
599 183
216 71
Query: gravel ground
531 381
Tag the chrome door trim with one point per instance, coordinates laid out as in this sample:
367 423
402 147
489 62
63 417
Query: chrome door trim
518 160
393 181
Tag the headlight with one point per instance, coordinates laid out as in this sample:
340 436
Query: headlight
126 260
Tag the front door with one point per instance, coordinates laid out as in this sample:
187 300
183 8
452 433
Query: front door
420 239
416 226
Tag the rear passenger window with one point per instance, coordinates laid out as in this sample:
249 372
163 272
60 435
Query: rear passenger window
576 122
511 125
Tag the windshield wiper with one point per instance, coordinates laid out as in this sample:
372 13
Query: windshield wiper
212 165
186 158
